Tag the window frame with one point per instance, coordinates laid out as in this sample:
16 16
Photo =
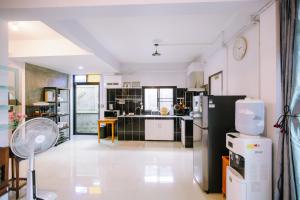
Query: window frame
158 94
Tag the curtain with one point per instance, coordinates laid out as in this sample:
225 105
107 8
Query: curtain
286 179
295 109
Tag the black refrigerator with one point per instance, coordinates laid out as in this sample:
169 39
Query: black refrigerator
217 117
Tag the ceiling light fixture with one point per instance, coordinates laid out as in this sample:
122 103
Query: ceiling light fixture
156 52
80 68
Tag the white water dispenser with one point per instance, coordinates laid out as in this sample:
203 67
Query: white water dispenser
249 174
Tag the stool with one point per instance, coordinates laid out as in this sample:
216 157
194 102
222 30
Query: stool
107 121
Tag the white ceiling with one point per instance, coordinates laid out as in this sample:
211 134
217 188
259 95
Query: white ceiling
123 35
32 30
36 43
130 39
69 64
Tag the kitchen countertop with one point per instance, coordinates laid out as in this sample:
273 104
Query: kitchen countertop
158 116
151 116
186 118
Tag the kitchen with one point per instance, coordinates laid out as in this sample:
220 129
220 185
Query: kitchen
142 111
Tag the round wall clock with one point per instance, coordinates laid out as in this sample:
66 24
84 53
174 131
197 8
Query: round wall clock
240 48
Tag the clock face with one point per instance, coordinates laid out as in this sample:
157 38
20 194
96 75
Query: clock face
239 48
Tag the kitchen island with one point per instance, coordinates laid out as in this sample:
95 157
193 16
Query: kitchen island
149 127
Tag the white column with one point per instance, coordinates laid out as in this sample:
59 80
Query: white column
3 88
270 72
3 83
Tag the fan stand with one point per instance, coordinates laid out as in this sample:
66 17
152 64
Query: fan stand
31 192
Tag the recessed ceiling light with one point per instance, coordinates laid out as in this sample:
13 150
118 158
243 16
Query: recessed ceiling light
14 26
80 68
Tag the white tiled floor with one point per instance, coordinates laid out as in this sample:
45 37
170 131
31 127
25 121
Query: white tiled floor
83 169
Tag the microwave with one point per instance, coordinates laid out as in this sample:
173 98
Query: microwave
111 113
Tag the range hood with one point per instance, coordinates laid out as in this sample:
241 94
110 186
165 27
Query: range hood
195 81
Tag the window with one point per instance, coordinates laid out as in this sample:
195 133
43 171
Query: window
90 78
166 98
158 97
93 78
151 102
80 78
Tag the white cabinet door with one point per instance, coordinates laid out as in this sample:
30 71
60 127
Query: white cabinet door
183 132
167 129
150 131
159 129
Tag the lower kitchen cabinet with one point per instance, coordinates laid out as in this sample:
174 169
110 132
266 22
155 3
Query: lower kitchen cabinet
187 133
128 128
159 129
149 128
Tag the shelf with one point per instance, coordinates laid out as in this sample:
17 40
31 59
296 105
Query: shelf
61 129
54 102
55 88
129 99
61 115
61 140
62 100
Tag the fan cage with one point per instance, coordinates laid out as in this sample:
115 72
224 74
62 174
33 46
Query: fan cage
33 137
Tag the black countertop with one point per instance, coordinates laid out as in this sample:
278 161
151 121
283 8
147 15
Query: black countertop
152 116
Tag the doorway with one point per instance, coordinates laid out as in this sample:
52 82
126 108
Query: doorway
86 107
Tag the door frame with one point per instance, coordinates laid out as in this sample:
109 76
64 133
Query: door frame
220 73
75 107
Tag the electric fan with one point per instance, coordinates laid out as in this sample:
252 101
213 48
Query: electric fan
29 139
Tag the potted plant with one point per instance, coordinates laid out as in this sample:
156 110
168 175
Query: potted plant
15 119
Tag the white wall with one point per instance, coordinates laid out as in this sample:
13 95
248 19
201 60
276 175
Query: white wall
157 78
155 74
195 66
217 62
21 72
239 77
3 77
3 81
258 74
270 73
242 75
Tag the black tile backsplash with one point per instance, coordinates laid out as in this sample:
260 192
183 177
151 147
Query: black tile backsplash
187 95
132 97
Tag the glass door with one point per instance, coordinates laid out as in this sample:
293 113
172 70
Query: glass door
86 108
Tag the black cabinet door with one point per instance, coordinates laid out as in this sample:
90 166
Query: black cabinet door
136 128
121 128
128 128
